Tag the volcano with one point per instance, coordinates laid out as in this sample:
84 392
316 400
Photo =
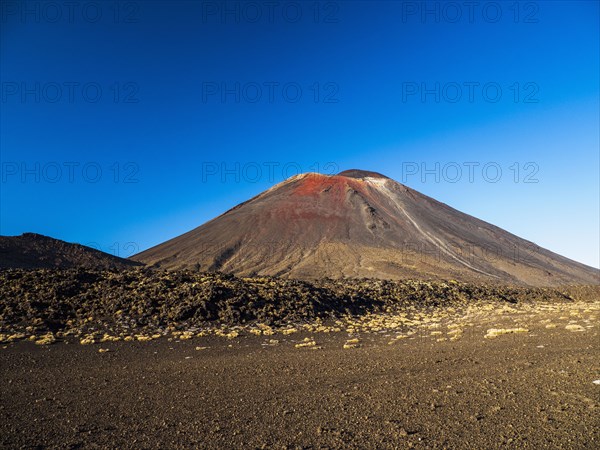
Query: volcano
361 224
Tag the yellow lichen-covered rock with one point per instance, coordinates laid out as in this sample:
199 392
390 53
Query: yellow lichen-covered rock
495 332
109 338
46 339
308 342
186 335
232 334
397 338
15 337
352 343
455 334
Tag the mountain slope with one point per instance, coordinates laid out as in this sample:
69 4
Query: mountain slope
35 251
361 224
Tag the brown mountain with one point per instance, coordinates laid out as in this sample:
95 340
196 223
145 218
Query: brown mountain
35 251
361 224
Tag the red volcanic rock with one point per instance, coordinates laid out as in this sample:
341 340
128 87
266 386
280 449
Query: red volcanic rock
361 224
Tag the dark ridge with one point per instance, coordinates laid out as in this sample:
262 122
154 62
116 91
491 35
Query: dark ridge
36 251
357 173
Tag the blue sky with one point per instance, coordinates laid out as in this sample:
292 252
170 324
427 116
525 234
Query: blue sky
125 124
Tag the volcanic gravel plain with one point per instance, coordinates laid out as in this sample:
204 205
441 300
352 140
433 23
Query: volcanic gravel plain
350 364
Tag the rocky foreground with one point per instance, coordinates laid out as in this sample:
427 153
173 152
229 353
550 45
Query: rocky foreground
151 359
142 304
492 375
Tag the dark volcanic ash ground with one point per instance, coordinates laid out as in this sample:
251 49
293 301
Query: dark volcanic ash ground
159 359
494 376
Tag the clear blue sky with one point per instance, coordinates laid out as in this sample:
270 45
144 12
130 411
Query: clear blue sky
146 93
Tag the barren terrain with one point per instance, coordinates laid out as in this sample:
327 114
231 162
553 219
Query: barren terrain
488 376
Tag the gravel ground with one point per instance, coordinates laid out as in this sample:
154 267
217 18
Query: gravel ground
512 377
